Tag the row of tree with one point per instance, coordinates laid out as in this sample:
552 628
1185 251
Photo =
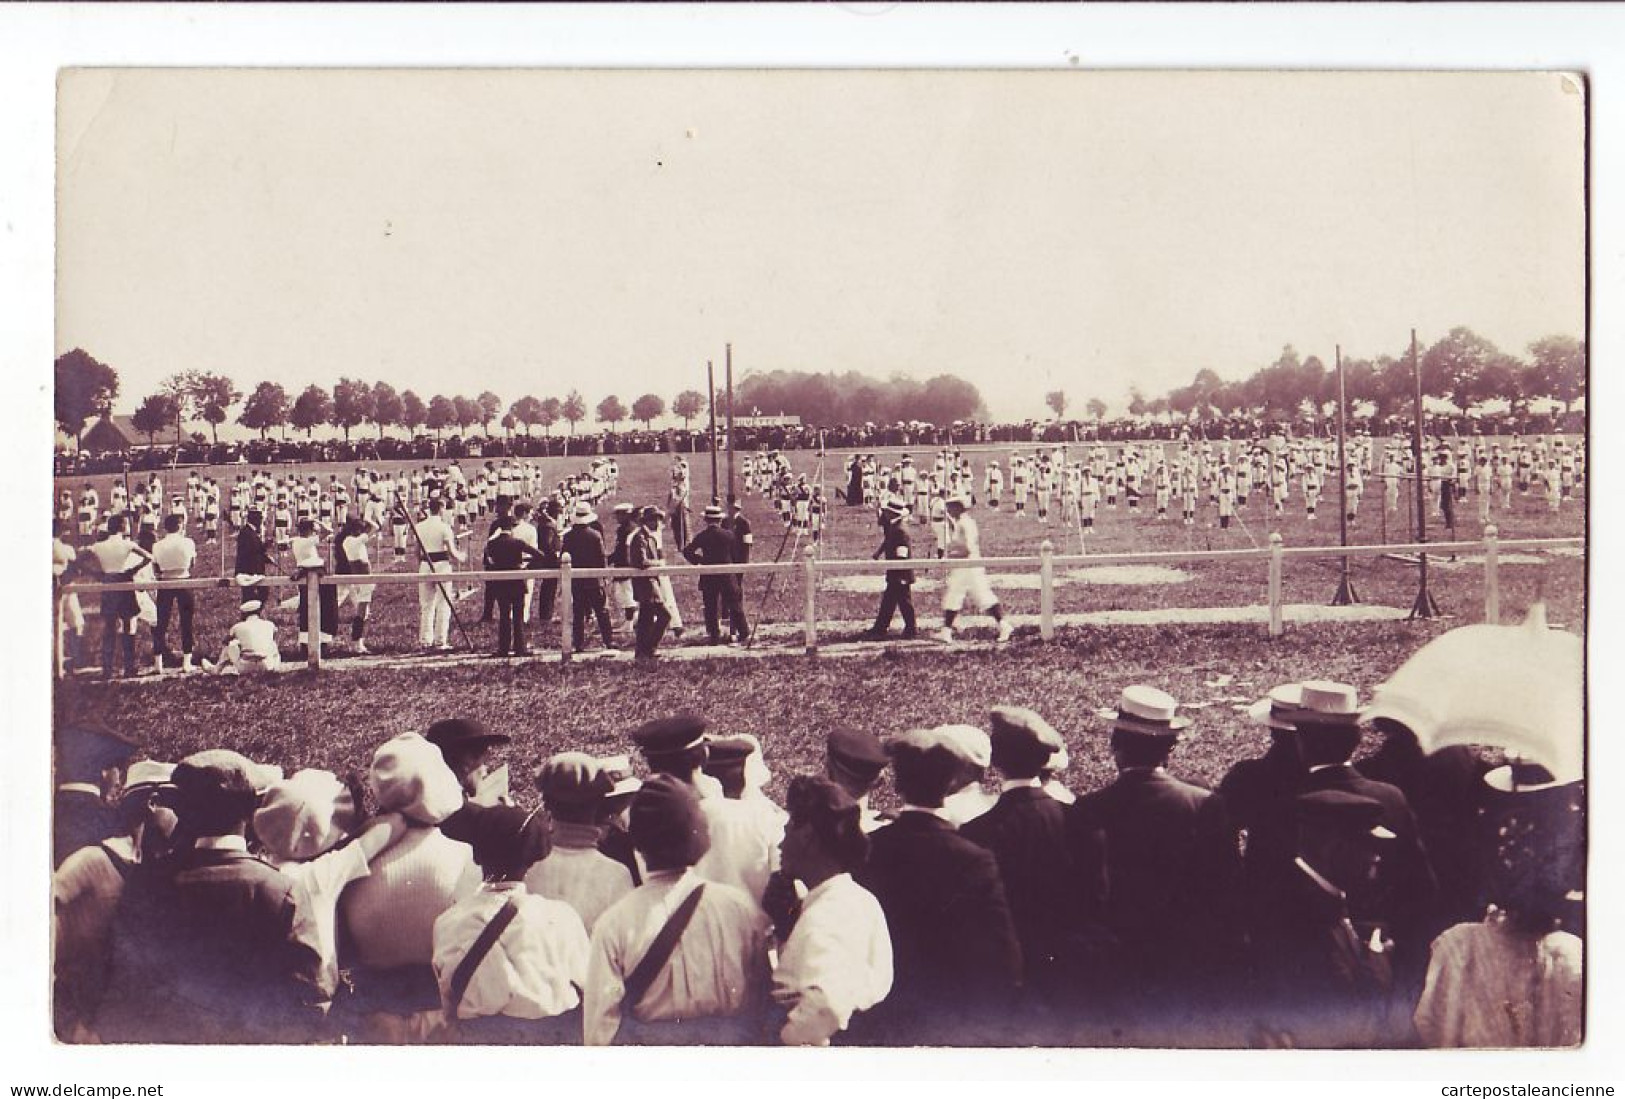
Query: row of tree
1462 367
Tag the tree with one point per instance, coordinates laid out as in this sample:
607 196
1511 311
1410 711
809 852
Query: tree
85 387
646 408
1559 368
611 411
1057 402
310 408
179 387
552 413
1452 367
1182 400
527 411
688 404
155 413
442 414
413 413
266 407
466 411
489 405
1136 402
351 405
509 422
387 407
573 410
211 396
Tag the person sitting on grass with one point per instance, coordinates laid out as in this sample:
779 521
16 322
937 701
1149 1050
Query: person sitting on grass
250 646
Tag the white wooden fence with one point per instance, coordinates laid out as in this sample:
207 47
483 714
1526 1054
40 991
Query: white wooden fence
810 568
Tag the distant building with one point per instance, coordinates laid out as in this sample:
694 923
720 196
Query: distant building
763 421
114 433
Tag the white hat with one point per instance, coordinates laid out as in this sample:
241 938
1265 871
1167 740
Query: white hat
1146 710
409 776
968 743
251 606
582 515
1276 708
1324 702
303 816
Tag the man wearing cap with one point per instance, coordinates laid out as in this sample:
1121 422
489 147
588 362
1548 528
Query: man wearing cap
838 959
1025 830
899 595
711 985
718 591
855 760
1169 864
643 552
574 788
90 762
964 543
209 946
465 746
743 850
957 961
585 544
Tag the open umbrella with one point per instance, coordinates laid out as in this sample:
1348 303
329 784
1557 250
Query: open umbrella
1515 687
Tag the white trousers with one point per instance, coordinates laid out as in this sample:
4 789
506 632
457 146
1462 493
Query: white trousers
972 582
434 608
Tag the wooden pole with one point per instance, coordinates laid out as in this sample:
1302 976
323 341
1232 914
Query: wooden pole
1492 575
313 619
567 616
1046 590
1424 607
809 566
1345 588
729 366
1275 584
711 388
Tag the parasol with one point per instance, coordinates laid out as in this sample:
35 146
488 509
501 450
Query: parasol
1515 687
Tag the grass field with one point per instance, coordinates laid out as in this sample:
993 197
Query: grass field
334 718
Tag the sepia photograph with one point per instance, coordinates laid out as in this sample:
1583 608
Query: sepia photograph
891 559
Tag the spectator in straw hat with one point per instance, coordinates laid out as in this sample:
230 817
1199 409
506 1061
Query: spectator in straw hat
85 892
584 542
957 959
838 959
575 788
1169 864
711 986
520 986
210 946
390 914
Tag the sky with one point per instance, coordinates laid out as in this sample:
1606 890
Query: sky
611 231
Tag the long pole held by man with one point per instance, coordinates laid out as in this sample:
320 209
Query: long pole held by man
1424 607
444 586
1345 586
711 390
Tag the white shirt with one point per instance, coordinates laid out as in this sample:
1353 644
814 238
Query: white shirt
111 553
391 913
255 635
317 885
745 839
1488 987
174 554
837 961
717 968
355 549
585 878
437 536
62 556
531 972
963 537
307 552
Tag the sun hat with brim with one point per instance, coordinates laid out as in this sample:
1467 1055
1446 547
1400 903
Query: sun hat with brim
1146 711
1523 776
1324 703
462 732
304 815
714 513
144 778
582 515
1276 708
409 776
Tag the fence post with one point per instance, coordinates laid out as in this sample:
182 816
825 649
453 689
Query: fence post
313 619
1275 584
810 574
59 634
1046 590
1492 575
567 617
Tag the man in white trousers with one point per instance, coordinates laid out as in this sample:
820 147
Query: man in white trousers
438 551
963 542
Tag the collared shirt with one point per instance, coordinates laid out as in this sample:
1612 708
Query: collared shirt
112 552
307 552
837 961
745 837
1018 783
717 968
533 971
966 805
220 843
939 813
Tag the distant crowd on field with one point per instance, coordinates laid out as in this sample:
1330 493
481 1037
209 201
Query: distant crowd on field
1307 900
777 437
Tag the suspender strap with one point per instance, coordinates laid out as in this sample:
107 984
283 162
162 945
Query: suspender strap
659 953
464 973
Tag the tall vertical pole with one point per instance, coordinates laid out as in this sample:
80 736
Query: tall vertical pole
729 365
711 388
1345 588
1424 607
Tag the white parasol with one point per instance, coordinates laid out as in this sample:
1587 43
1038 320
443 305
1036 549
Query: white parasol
1516 687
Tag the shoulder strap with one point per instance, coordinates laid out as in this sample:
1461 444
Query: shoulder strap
464 972
120 863
659 953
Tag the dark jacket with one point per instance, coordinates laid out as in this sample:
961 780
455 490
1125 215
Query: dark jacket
506 553
1170 871
210 948
80 818
586 549
641 553
956 958
1446 791
739 527
712 546
253 559
896 546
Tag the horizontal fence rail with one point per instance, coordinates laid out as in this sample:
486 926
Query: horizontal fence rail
811 568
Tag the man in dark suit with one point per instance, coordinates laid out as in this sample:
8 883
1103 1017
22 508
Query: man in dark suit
1026 832
956 958
585 544
643 552
715 546
506 553
1170 866
209 947
253 557
90 761
899 594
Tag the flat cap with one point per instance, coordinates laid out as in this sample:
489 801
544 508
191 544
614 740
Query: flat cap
462 732
668 735
856 750
219 777
83 752
508 840
666 823
1022 740
925 758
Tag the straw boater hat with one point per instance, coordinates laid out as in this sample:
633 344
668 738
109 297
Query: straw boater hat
714 513
1146 711
1325 704
1276 708
959 499
582 515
